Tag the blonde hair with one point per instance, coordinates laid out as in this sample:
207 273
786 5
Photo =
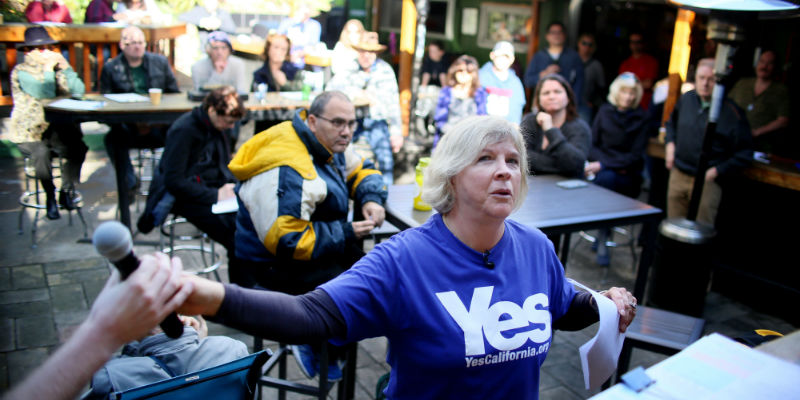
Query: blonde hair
344 37
460 148
625 80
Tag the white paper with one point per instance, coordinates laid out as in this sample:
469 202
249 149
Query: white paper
297 96
761 157
718 368
228 205
126 97
599 355
72 104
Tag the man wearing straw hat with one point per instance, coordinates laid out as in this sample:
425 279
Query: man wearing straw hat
376 81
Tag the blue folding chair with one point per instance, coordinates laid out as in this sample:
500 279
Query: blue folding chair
234 380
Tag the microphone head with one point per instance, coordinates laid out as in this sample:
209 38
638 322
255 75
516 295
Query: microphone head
112 240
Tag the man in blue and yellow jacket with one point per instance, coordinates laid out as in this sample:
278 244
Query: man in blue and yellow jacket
297 178
296 181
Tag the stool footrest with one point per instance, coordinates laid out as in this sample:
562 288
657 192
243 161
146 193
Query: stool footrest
292 386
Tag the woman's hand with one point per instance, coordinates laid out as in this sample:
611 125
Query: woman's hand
225 192
592 168
206 296
626 305
544 120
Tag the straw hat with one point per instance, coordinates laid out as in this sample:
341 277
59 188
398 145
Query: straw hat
369 42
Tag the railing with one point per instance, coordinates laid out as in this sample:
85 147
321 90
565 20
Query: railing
160 39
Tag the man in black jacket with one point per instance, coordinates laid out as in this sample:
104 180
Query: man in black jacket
134 71
731 150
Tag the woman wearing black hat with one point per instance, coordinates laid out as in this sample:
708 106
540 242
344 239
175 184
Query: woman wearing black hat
45 74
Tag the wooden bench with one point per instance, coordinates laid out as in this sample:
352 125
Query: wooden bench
79 38
661 331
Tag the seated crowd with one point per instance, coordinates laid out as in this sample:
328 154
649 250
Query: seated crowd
292 252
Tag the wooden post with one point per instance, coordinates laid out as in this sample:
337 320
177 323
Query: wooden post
533 40
407 39
376 15
87 68
678 60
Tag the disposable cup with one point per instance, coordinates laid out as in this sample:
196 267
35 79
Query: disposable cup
155 96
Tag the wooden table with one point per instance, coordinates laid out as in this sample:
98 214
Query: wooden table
160 39
779 172
173 105
554 210
274 107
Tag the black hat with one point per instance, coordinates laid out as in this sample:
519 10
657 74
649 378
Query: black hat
37 36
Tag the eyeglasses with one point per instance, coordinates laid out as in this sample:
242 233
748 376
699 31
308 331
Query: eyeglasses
586 43
134 43
340 123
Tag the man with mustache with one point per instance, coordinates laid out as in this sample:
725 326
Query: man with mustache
292 232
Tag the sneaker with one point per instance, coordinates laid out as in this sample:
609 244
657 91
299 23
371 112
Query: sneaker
307 360
334 372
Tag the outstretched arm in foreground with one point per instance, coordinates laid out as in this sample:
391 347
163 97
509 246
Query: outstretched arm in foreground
124 311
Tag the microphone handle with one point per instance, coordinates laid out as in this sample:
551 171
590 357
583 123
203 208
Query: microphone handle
171 325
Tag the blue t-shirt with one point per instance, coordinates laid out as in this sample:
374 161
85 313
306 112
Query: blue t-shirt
456 328
506 97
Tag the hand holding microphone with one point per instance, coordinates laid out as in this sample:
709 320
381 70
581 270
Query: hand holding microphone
113 241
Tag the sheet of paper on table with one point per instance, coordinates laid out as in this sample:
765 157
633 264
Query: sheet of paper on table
599 355
126 97
228 205
716 367
296 96
72 104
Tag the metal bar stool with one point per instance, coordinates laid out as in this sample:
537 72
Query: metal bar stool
31 199
345 390
144 165
611 244
194 242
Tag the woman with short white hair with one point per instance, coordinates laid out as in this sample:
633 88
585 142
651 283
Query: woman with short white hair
220 68
468 300
619 137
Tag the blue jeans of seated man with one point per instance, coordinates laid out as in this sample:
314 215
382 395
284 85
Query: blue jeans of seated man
376 133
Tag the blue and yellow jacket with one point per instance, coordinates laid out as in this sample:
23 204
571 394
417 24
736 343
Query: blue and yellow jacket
294 193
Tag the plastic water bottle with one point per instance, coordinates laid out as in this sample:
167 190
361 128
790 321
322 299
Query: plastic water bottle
261 94
419 204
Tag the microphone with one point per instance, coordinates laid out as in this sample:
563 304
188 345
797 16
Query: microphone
113 241
486 262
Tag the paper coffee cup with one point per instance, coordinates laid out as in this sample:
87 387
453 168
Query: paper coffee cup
155 96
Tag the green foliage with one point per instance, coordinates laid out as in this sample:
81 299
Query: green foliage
77 9
13 10
176 7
